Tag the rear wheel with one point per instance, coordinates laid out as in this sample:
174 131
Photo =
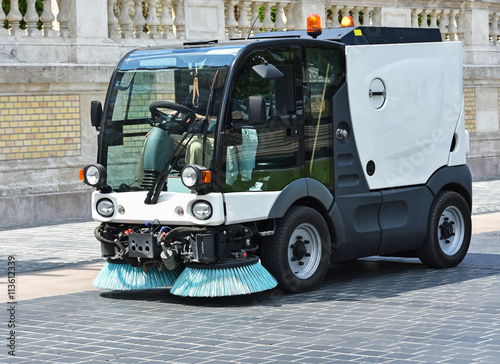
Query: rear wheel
298 254
448 231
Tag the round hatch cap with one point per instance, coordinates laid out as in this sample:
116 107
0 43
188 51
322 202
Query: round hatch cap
377 93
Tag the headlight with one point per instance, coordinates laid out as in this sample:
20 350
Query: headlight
189 176
94 175
105 207
202 210
195 176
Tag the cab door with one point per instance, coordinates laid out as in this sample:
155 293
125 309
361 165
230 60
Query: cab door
266 155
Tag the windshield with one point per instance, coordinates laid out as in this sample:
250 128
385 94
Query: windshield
161 114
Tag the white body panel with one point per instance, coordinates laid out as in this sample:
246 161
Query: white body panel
409 137
458 156
248 206
136 211
240 207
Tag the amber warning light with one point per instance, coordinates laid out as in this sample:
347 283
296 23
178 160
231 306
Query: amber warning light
314 25
347 21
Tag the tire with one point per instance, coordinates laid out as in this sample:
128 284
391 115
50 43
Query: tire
448 231
298 254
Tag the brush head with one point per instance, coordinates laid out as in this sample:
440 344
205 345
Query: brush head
219 280
123 277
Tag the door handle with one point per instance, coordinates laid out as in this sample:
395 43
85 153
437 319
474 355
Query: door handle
341 134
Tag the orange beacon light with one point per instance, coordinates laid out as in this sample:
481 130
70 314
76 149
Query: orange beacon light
314 25
347 21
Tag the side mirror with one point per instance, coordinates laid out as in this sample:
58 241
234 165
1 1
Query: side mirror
256 109
96 114
267 71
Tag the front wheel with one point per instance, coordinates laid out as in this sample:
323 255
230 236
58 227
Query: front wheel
448 231
299 253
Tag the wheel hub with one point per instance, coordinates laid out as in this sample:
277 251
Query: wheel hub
299 250
446 228
304 250
451 230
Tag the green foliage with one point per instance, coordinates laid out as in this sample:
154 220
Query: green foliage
262 15
23 7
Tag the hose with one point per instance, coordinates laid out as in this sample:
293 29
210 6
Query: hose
98 236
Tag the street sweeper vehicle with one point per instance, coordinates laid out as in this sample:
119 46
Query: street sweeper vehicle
234 167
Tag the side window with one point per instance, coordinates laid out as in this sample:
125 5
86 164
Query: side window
265 156
324 72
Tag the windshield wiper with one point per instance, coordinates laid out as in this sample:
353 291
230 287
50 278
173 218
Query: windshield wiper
154 192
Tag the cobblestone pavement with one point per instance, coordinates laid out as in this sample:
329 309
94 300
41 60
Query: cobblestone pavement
370 311
51 246
486 196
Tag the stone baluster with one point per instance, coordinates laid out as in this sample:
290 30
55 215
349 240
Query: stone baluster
452 27
124 19
279 23
47 17
14 17
353 11
355 15
335 16
63 17
139 20
179 20
376 17
152 19
494 31
342 11
3 31
166 20
231 23
414 17
345 10
243 21
267 24
113 28
460 26
443 24
256 24
31 18
434 17
423 18
367 13
288 12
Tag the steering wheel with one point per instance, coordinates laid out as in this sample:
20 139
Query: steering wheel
188 115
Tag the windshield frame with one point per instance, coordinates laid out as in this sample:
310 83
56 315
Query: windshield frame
151 59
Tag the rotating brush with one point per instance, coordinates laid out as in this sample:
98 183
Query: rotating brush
115 276
223 279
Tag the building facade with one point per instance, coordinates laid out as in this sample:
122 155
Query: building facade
56 56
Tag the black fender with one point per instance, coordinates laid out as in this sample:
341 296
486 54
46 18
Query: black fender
298 189
456 178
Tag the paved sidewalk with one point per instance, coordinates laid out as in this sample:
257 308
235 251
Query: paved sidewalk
486 196
50 246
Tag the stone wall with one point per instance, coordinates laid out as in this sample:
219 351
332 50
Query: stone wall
45 138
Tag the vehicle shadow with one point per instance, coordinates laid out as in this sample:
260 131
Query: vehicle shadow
363 279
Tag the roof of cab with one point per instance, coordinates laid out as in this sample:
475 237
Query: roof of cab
363 35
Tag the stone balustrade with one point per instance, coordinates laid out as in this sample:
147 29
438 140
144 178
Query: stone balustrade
167 20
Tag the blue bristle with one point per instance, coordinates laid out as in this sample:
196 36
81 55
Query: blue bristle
235 281
125 277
